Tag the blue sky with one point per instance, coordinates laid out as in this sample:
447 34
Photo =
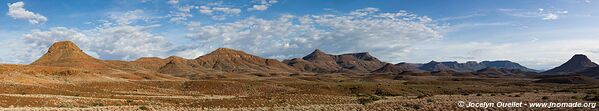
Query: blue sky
536 33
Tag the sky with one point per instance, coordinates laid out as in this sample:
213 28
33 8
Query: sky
539 34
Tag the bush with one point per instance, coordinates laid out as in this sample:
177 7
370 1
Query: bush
544 98
143 108
97 104
369 99
479 94
591 98
380 92
574 97
429 100
517 95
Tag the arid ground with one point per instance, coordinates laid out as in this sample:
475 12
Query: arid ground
283 92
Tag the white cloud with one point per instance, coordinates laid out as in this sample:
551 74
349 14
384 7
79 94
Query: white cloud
226 10
259 7
128 17
541 13
205 10
551 15
173 2
181 13
262 5
17 11
385 34
218 12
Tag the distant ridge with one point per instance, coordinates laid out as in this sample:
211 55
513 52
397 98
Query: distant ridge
321 62
472 66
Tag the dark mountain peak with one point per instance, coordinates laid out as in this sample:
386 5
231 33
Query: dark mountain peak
578 62
433 62
318 55
471 62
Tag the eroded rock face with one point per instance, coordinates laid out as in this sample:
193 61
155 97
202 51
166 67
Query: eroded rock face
321 62
577 63
229 60
388 68
472 66
67 54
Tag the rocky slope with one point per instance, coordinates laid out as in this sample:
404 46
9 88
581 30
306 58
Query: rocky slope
67 54
472 66
388 68
229 60
577 63
321 62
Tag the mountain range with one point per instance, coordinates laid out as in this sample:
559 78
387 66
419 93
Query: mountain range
225 60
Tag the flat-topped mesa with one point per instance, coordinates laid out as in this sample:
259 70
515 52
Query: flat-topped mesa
363 56
67 54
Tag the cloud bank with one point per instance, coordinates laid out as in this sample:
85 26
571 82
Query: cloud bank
384 34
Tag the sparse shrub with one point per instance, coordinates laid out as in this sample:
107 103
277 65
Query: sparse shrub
421 96
129 100
591 98
517 95
97 104
493 95
574 97
143 108
369 99
479 94
381 92
465 94
544 98
429 100
414 106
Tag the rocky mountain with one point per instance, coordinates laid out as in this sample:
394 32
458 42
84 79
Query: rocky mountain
321 62
507 65
591 72
359 62
435 66
67 54
408 67
388 68
472 66
577 63
229 60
